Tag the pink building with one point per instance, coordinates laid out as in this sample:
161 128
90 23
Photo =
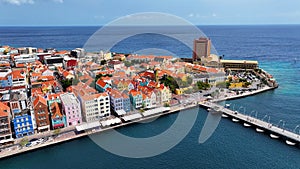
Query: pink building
71 108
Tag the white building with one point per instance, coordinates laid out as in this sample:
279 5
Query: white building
95 107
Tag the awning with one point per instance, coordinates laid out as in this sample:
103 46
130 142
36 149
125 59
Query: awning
86 126
155 111
110 122
121 112
43 127
132 117
58 125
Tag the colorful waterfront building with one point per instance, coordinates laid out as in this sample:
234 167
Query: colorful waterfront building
95 107
163 94
41 114
116 100
71 108
58 120
5 128
136 98
146 101
23 125
126 103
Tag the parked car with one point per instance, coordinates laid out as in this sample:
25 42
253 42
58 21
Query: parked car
28 144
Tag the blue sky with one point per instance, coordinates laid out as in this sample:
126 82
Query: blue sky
100 12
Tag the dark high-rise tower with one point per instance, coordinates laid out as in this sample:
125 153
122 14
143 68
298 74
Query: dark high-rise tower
201 48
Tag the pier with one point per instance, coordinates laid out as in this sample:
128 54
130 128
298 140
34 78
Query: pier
275 132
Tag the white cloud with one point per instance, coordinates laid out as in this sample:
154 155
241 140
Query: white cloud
20 2
196 15
191 15
59 1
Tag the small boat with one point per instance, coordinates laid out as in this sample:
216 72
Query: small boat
224 115
247 125
290 143
227 106
235 120
259 130
274 136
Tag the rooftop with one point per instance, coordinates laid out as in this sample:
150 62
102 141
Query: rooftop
69 99
240 61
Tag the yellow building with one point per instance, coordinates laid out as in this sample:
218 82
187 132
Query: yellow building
239 64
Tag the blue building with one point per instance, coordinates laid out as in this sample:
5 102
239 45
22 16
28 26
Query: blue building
116 100
6 81
126 102
143 82
23 126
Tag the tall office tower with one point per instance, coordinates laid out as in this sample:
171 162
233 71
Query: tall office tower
201 48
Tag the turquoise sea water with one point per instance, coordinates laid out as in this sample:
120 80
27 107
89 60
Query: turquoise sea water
277 48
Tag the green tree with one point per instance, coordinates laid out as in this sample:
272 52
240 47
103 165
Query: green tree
103 62
98 77
170 82
66 83
56 132
166 105
127 63
227 84
203 85
246 84
23 142
189 80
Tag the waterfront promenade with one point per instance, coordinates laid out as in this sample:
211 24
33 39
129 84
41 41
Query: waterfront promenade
245 94
69 134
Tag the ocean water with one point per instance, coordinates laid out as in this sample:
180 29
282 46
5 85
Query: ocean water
276 47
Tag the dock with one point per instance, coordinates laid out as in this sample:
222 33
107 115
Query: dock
275 132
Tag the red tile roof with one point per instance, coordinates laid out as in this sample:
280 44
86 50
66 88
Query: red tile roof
39 99
94 96
46 78
101 83
125 96
4 110
115 93
54 96
134 92
55 110
17 74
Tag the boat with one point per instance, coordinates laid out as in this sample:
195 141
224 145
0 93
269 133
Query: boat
274 136
247 125
235 120
224 115
260 130
290 143
227 106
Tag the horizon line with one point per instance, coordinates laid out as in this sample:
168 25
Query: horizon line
275 24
